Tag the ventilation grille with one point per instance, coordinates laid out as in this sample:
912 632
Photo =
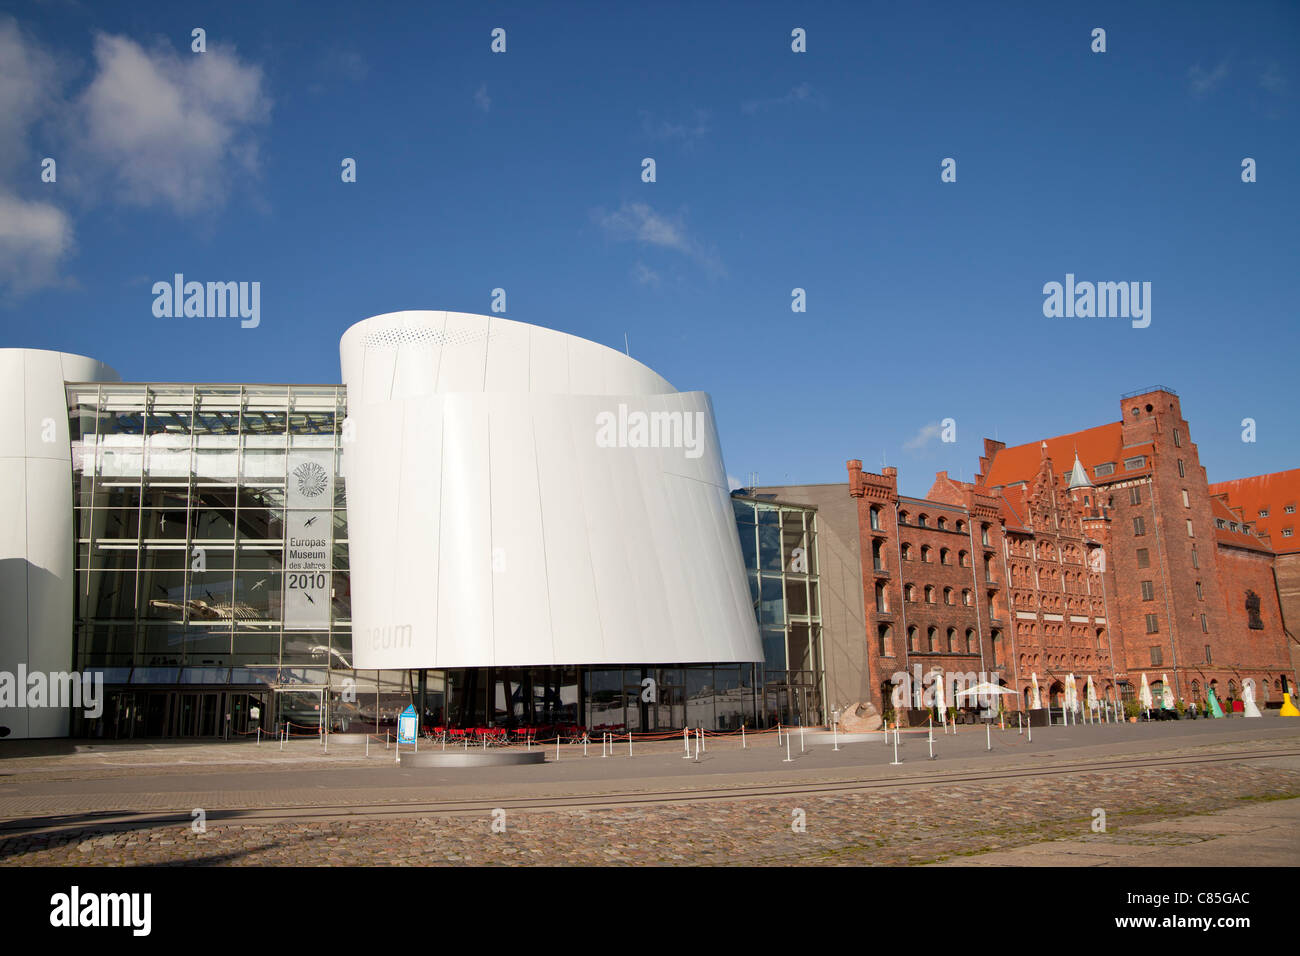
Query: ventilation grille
423 336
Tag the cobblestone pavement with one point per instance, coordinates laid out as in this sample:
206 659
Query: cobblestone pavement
889 827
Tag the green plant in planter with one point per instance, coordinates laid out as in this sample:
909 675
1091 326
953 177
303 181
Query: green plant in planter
1132 708
1181 706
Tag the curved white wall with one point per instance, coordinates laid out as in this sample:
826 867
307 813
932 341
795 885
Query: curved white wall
37 538
488 526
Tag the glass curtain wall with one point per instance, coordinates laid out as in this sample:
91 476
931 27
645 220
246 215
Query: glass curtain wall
183 510
779 544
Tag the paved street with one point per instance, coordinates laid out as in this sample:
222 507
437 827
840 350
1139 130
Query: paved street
1019 804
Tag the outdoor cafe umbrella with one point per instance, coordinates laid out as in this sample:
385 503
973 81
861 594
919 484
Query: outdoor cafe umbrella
1071 692
1144 693
939 704
1037 703
1092 694
983 689
1167 695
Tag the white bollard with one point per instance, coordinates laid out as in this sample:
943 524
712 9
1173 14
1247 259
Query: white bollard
704 746
801 748
1031 731
557 745
584 745
931 741
787 750
778 735
835 735
686 742
896 760
743 745
259 736
629 743
698 735
988 735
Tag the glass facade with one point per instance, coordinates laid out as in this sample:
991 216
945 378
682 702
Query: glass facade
213 588
779 545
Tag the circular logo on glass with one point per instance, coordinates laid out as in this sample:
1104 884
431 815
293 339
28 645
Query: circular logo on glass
312 479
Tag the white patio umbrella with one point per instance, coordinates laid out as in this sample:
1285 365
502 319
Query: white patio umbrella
1167 696
983 689
1144 693
1092 694
1036 702
939 703
1071 692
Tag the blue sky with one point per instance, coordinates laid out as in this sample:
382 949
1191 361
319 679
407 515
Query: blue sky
775 170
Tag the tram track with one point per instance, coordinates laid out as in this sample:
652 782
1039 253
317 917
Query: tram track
112 820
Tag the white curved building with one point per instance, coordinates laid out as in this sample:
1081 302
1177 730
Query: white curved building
518 496
36 523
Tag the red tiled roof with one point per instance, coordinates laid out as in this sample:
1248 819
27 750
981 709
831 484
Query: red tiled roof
1095 446
1011 503
1239 538
1271 493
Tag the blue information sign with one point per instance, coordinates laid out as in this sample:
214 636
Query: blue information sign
406 726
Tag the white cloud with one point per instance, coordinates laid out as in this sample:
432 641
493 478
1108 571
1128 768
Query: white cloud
644 274
34 237
927 434
482 100
1202 82
29 89
687 132
170 130
638 222
799 94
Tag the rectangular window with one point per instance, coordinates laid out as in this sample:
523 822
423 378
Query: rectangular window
1286 532
1153 624
1207 655
1182 472
1137 461
1200 596
1196 561
1263 512
1178 438
1289 509
1144 558
1135 495
1157 656
1139 526
1186 501
1189 529
1205 625
1148 591
1106 469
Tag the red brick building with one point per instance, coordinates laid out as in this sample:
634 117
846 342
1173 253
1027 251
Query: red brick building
1267 504
1101 553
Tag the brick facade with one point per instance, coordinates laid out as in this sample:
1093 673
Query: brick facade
1100 554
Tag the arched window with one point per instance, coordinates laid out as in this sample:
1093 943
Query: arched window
945 556
931 635
952 640
886 645
942 523
903 517
882 598
967 597
925 553
909 592
907 551
875 517
995 643
923 520
911 638
963 558
970 644
961 526
947 595
929 594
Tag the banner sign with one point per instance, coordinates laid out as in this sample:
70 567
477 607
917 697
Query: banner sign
308 539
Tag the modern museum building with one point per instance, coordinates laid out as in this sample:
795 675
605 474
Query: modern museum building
507 525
